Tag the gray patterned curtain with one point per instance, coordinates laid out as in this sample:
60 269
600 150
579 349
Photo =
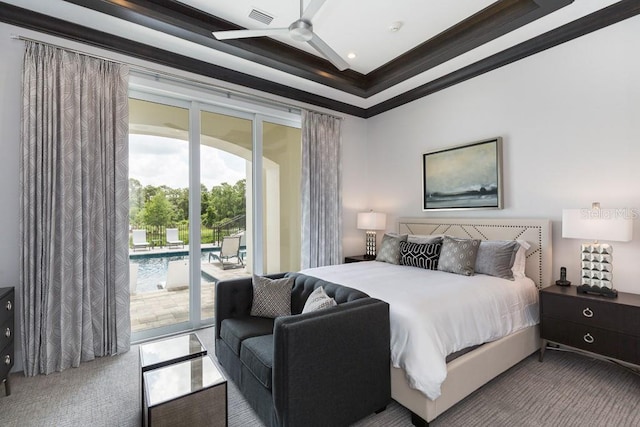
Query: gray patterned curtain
74 209
321 190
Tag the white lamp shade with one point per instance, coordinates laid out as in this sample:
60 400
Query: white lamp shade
371 221
597 224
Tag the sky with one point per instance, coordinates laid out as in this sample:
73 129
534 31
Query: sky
159 161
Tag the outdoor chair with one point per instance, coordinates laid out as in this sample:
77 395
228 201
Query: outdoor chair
173 239
230 248
139 239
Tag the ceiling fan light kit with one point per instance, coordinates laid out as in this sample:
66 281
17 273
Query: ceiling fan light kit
299 30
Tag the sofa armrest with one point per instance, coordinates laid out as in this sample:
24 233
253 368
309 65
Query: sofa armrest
331 367
234 298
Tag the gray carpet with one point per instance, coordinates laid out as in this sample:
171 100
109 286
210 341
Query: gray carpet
566 390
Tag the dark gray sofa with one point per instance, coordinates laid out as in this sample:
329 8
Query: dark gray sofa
325 368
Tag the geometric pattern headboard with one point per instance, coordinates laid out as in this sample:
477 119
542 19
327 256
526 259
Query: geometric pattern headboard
537 232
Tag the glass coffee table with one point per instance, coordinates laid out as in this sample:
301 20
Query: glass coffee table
192 393
165 352
156 354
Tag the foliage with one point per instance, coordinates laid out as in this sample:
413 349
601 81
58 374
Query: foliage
166 206
158 210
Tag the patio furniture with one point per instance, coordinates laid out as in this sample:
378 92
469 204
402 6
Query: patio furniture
139 239
230 248
177 275
173 239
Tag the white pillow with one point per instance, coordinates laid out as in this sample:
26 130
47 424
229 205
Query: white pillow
318 300
520 262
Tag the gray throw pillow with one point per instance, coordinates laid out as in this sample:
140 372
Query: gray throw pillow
390 248
495 258
458 255
271 297
423 255
318 300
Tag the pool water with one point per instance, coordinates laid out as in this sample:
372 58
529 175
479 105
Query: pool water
152 271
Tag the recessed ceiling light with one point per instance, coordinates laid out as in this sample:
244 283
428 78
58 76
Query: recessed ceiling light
351 55
395 26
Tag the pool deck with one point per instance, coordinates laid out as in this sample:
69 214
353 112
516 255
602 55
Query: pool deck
161 308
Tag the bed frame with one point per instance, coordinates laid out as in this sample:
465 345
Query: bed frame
469 372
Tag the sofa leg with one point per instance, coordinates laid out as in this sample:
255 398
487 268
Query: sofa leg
381 409
417 421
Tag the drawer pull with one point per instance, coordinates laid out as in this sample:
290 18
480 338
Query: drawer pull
587 312
7 333
588 338
7 360
9 305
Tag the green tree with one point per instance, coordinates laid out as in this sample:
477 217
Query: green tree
158 210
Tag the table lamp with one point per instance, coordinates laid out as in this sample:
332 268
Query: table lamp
371 221
596 258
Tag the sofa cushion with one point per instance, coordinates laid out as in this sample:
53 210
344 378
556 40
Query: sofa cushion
234 331
318 300
271 297
257 355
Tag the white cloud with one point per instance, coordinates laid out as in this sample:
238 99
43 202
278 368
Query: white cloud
159 161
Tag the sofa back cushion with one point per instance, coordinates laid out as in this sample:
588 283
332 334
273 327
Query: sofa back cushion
304 285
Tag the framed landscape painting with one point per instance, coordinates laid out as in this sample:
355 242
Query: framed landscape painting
463 177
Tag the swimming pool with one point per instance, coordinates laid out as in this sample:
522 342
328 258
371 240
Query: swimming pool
152 270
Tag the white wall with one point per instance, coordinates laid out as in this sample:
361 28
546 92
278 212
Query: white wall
570 119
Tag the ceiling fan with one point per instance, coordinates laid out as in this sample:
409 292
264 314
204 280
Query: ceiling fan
299 30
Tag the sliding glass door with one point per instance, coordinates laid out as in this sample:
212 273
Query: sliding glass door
203 212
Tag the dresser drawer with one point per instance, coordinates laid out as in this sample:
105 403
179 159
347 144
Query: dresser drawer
591 338
590 311
6 355
6 333
7 306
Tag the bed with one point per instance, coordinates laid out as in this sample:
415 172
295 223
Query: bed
470 371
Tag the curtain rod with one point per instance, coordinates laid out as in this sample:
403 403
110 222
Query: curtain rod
150 72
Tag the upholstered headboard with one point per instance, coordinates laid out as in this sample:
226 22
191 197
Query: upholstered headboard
537 232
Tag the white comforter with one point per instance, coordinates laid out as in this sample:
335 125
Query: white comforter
434 314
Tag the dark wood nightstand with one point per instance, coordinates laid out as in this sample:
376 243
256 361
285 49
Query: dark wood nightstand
7 310
358 258
606 327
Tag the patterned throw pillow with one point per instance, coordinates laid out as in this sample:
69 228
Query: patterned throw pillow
496 257
318 300
458 255
271 297
390 248
423 255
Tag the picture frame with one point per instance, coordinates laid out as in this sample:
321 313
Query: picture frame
467 176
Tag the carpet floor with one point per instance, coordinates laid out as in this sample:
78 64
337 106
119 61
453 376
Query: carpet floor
566 390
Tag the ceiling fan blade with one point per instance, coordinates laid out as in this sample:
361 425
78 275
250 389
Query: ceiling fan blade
243 34
318 44
311 10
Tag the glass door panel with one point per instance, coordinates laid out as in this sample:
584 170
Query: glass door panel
159 212
226 148
281 176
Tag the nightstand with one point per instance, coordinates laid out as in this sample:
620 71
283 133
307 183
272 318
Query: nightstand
358 258
7 310
606 327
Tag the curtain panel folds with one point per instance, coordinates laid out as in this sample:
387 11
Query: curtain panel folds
321 190
74 209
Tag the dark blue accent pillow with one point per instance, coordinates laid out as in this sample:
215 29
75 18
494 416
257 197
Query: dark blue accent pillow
423 255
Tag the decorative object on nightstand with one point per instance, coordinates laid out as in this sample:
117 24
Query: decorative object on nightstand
563 278
371 222
596 258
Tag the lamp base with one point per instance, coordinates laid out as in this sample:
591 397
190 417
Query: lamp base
597 290
370 247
